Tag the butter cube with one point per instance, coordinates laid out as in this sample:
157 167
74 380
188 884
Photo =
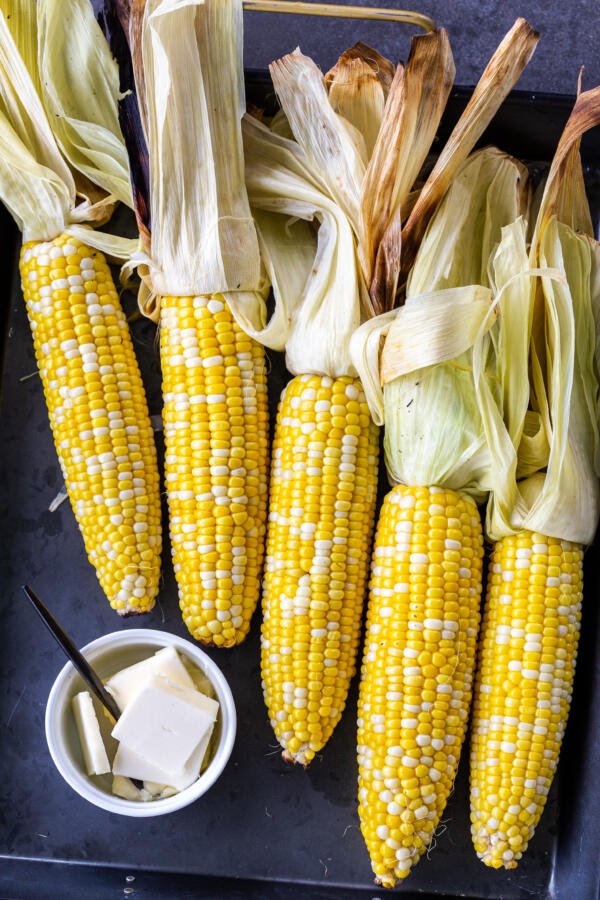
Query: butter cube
135 765
124 685
164 724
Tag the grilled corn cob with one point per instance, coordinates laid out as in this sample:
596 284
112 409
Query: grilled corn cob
422 625
540 520
215 418
325 450
93 389
529 638
424 597
203 253
323 490
98 414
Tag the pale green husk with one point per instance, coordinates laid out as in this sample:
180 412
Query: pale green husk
80 90
555 429
433 429
36 185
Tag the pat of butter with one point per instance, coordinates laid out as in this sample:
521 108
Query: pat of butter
88 728
164 723
124 685
134 765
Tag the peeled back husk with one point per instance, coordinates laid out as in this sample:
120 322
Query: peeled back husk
316 281
562 500
433 430
358 86
203 237
80 90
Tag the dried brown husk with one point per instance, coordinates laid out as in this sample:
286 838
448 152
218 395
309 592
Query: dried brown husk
383 68
357 90
334 148
499 77
412 115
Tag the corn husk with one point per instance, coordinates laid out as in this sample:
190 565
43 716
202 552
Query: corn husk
203 239
433 429
316 280
562 499
415 105
334 149
21 17
36 184
80 91
499 77
358 86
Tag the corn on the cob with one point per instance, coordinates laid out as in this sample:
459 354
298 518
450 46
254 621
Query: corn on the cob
529 640
98 413
93 389
215 418
325 452
532 614
202 253
323 490
416 681
424 598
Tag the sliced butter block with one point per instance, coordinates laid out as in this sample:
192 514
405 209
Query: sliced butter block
124 685
164 723
134 765
92 745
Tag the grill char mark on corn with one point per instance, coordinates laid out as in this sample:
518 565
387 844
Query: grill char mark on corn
323 492
215 419
98 414
528 650
417 671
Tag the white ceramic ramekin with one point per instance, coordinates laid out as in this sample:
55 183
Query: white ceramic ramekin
107 654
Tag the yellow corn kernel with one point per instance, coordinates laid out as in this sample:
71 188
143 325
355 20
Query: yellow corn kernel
529 638
215 418
417 670
98 414
319 532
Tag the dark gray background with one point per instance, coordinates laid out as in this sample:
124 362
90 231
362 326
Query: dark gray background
570 37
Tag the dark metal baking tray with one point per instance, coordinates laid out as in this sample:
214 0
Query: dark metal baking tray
265 830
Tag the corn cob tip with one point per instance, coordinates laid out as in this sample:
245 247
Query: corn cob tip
131 613
301 757
493 853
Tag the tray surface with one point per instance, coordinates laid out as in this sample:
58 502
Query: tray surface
284 831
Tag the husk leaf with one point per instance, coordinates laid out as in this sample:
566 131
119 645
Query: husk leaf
316 319
433 429
499 77
203 238
80 85
333 147
356 88
563 499
565 502
35 183
412 115
21 17
380 65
